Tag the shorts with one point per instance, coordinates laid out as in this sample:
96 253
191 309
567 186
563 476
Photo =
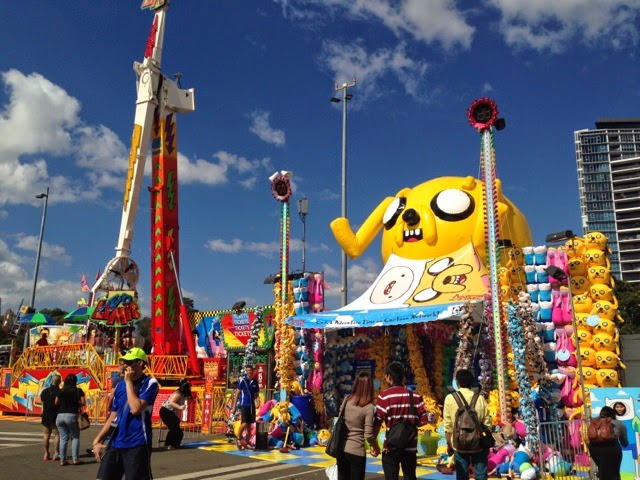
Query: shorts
247 414
134 462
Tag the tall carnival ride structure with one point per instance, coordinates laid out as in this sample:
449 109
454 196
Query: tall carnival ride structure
159 99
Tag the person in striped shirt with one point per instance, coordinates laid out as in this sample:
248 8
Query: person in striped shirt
393 406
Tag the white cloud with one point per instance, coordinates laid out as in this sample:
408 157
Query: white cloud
265 249
553 26
264 130
360 276
218 172
56 253
371 69
438 22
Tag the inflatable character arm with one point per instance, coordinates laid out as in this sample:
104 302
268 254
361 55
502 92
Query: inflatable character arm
354 244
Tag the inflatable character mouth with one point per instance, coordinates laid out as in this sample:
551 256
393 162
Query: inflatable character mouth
413 235
455 280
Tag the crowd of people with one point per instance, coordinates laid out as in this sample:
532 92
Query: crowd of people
123 445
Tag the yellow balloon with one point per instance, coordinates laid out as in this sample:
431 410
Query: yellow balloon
432 219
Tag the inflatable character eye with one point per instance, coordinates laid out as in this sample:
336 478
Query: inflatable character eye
453 205
393 212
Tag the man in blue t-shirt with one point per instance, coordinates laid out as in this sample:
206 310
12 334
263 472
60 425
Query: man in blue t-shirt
128 451
244 400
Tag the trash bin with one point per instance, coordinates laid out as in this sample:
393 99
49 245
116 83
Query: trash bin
262 435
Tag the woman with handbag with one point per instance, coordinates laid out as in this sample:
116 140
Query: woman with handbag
70 401
170 413
358 416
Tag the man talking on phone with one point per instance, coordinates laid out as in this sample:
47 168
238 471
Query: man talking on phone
128 450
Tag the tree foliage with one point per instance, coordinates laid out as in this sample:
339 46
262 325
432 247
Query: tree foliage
628 296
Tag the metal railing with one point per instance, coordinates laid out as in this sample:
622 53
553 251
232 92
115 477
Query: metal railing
72 355
563 452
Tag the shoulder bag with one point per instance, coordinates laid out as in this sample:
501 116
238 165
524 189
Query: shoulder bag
403 433
338 437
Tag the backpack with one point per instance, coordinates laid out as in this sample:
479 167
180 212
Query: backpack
402 434
600 430
467 430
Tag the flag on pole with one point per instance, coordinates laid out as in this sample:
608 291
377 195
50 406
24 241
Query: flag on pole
84 284
98 275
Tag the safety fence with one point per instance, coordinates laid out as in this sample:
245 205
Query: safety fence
563 452
72 355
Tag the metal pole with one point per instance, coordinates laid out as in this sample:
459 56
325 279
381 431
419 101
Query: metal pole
303 209
35 273
343 256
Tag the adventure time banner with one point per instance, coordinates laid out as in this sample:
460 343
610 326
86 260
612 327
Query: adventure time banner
408 291
626 402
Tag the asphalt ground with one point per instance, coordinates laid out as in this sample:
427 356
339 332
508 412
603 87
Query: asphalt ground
202 458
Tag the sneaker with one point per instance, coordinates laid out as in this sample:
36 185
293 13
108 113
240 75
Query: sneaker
64 463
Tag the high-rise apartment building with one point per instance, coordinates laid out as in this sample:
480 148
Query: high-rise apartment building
609 181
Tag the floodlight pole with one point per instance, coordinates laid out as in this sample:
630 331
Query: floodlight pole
35 272
343 257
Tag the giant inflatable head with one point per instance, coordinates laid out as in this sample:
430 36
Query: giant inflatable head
432 219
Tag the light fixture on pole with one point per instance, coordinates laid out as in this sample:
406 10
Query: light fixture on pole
303 209
345 98
35 273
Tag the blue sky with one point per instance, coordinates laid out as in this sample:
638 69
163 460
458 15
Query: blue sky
264 71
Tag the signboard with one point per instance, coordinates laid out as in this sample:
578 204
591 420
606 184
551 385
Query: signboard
58 334
5 379
163 396
237 327
234 367
410 291
119 308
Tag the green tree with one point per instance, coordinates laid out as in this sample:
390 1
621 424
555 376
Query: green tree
189 304
628 296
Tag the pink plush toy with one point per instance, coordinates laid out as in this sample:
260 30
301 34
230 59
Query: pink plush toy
520 428
499 456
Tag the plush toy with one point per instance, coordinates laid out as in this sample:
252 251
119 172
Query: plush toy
595 240
606 309
590 375
608 377
582 321
515 256
576 267
579 285
557 466
540 255
503 276
498 456
431 220
585 338
582 303
593 257
575 247
604 341
600 274
588 356
600 291
605 326
521 456
608 360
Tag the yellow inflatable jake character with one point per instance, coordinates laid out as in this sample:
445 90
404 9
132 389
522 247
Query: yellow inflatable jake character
433 219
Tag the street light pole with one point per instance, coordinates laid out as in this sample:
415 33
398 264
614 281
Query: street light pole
345 97
35 273
303 209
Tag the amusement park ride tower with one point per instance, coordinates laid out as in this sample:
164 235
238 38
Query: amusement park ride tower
159 99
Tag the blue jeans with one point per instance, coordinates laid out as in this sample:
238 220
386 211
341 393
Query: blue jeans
477 460
67 424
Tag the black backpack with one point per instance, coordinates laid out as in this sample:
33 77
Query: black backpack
467 430
403 433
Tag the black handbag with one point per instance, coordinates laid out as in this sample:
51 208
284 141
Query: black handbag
338 437
403 433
